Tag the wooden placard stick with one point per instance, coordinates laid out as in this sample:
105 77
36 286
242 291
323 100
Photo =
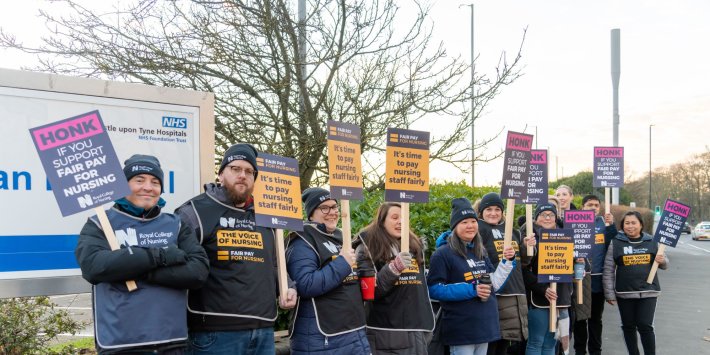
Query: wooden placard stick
281 264
345 218
111 238
654 268
580 291
607 203
405 227
529 227
509 212
553 310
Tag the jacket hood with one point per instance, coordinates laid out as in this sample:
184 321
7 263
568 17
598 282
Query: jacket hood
441 240
623 237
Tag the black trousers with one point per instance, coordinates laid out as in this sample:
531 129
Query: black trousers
637 315
588 333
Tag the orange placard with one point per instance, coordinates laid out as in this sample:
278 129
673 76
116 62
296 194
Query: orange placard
344 166
277 193
556 255
407 169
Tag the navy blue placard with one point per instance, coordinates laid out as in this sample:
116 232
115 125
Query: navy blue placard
80 162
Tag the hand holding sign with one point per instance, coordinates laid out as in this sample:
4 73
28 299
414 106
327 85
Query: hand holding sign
670 227
407 175
344 169
515 176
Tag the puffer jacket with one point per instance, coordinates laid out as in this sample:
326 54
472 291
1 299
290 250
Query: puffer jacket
583 311
513 316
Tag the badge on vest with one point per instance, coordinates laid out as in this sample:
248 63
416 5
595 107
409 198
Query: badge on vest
227 240
599 238
636 259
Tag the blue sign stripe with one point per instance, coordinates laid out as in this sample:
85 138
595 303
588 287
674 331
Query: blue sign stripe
37 252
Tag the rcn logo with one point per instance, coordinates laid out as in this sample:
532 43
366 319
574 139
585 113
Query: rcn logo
85 201
628 250
127 237
175 122
227 222
330 246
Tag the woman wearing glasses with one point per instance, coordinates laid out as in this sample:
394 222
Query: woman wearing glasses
399 318
329 316
540 340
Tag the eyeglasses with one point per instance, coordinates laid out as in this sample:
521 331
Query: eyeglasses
547 215
328 209
238 171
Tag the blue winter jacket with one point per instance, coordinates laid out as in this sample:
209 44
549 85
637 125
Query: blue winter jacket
311 281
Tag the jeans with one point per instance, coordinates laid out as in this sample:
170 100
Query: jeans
470 349
540 340
251 341
637 314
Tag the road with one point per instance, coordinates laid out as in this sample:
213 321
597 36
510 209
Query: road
682 315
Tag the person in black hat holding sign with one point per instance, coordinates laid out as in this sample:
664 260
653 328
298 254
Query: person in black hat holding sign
540 339
330 317
157 251
234 312
463 279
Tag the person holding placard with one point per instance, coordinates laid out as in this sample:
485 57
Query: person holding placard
234 312
329 317
399 317
628 262
512 304
464 280
540 339
588 333
157 251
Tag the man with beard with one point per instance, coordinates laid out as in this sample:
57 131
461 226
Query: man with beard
233 313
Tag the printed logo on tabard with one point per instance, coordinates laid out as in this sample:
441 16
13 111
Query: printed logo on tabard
330 246
628 250
127 238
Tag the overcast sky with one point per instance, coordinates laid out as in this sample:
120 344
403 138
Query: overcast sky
566 89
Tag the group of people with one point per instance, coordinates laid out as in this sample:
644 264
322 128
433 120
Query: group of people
207 277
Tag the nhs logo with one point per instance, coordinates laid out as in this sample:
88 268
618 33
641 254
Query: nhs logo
175 122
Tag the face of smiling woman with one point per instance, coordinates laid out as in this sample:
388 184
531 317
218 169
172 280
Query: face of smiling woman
467 229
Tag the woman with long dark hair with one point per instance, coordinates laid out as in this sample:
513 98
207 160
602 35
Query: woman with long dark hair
464 280
399 317
627 265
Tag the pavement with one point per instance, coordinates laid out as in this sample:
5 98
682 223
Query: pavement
682 315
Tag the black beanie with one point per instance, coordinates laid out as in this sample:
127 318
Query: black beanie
545 206
240 151
143 164
488 200
460 210
312 197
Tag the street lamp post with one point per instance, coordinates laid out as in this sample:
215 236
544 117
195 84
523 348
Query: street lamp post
649 166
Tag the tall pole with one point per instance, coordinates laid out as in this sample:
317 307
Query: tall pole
302 58
615 73
473 108
649 167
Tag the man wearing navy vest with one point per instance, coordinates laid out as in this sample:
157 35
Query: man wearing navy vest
588 332
157 251
234 312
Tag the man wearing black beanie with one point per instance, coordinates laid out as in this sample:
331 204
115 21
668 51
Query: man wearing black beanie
157 251
233 313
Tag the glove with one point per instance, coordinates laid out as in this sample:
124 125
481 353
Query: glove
169 256
402 262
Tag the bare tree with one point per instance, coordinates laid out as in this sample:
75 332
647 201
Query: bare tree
357 61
